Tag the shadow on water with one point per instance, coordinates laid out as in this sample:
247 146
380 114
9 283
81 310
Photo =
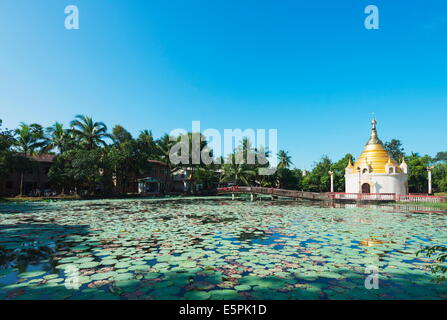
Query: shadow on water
214 285
8 208
23 246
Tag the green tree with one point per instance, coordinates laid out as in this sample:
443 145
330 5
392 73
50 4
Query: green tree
417 172
206 175
6 154
318 180
163 151
440 177
59 138
195 144
60 172
147 145
284 160
289 179
28 139
80 168
126 161
237 171
395 149
439 252
249 159
441 157
339 172
120 135
91 134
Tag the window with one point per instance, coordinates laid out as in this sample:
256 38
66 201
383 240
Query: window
391 170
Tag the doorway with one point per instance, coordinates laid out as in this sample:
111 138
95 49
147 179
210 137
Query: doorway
366 188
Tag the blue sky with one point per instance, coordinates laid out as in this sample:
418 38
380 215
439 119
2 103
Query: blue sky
307 68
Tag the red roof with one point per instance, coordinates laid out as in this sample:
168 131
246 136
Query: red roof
157 162
42 157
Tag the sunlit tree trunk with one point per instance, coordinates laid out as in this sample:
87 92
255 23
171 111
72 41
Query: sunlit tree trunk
21 183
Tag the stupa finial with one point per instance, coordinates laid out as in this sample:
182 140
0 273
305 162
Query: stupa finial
374 139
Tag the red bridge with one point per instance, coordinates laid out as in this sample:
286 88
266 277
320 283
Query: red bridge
332 196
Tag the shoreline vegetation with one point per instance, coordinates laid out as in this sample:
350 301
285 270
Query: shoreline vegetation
98 197
170 197
128 196
88 159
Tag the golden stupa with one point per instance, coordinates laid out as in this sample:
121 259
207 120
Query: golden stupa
374 156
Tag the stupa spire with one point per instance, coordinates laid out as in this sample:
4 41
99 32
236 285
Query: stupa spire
374 139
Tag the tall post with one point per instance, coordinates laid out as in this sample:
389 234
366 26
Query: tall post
332 181
429 169
360 182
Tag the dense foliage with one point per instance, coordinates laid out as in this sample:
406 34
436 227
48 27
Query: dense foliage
88 157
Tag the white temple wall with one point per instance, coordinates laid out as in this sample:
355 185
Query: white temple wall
380 183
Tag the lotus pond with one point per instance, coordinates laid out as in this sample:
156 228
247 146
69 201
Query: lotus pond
214 249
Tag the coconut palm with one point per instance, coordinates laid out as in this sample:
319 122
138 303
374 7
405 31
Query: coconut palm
28 139
163 151
57 137
90 133
146 143
236 172
284 160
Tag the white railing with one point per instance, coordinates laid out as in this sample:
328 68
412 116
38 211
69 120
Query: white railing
335 195
421 198
363 196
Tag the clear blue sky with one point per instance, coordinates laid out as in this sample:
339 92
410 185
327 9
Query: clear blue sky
307 68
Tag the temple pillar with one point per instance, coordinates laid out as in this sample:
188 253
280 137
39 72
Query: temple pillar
332 180
429 170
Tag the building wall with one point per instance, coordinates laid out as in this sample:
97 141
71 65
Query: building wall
36 179
379 182
157 171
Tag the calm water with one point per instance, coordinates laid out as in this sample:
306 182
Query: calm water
214 249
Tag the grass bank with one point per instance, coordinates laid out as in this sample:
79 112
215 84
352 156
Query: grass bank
442 205
101 197
46 199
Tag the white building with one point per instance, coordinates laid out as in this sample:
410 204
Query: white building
375 171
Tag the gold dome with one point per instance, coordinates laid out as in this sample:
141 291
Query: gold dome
374 155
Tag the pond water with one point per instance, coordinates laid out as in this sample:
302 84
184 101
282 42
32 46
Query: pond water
214 249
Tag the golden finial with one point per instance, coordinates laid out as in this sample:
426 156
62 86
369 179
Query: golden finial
350 165
389 163
374 139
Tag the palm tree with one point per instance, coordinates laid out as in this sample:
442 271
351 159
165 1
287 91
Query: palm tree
164 148
57 137
146 142
89 132
284 160
28 139
164 145
238 173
